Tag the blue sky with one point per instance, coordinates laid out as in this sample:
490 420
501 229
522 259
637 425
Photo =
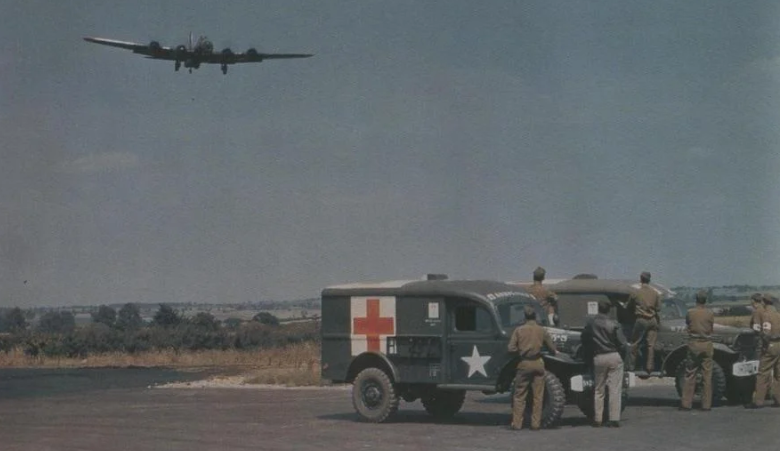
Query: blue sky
468 138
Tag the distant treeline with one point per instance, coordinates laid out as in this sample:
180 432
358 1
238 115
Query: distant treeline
123 330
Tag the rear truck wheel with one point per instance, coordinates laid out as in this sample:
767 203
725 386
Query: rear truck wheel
443 403
739 390
374 396
718 382
552 404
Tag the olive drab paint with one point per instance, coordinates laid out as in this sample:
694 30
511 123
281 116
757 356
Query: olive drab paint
426 339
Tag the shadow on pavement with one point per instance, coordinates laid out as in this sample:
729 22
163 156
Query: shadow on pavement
16 383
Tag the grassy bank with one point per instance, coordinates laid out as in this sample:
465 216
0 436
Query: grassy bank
294 365
734 321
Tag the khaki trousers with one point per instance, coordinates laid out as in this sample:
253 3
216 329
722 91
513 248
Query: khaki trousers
530 373
770 360
649 329
608 372
699 359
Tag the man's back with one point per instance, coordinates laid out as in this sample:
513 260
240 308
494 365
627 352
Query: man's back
647 302
528 339
700 322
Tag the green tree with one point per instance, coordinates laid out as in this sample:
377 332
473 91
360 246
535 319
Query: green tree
166 317
129 318
104 315
57 322
205 321
13 321
266 318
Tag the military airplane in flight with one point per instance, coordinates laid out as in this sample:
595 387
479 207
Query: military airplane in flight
197 53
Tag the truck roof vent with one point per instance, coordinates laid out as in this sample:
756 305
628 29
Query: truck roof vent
585 276
436 277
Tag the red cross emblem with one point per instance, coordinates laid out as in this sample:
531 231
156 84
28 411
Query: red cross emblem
373 326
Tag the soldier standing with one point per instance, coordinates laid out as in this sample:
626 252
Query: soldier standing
547 298
647 304
758 309
700 321
527 340
770 357
755 319
605 339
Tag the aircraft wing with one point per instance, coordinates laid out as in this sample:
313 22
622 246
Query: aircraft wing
151 50
250 56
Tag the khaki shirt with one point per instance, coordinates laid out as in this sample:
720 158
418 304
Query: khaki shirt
700 321
647 302
770 324
527 340
546 297
755 318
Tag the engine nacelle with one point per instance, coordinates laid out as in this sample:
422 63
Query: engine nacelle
180 52
252 52
155 47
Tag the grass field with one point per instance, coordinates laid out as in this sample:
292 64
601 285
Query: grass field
734 321
293 365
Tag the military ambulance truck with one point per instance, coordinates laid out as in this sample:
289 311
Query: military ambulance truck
434 340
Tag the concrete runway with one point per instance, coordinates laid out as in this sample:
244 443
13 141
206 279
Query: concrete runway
49 410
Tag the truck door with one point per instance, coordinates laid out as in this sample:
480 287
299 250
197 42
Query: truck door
475 347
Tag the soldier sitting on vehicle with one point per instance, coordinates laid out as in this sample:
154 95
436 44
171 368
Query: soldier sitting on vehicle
527 340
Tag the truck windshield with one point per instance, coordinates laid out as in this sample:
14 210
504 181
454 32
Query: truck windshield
672 308
512 311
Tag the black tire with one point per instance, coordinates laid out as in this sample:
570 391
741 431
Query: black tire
552 405
740 390
718 382
443 403
374 396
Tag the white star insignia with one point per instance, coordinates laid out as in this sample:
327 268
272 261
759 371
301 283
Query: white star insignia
476 362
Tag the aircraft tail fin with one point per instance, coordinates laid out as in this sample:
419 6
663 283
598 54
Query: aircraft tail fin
190 49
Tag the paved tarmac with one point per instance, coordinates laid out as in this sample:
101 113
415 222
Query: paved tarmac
44 410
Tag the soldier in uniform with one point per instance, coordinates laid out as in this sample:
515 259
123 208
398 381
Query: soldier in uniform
647 305
700 321
757 299
547 298
604 339
770 357
527 340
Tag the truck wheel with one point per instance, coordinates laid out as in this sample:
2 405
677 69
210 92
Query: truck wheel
373 396
718 382
552 405
443 403
740 389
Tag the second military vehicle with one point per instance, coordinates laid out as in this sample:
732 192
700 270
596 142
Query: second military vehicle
734 366
434 340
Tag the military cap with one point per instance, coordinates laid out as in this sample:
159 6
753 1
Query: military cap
701 296
604 305
757 297
645 275
539 272
530 313
769 300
